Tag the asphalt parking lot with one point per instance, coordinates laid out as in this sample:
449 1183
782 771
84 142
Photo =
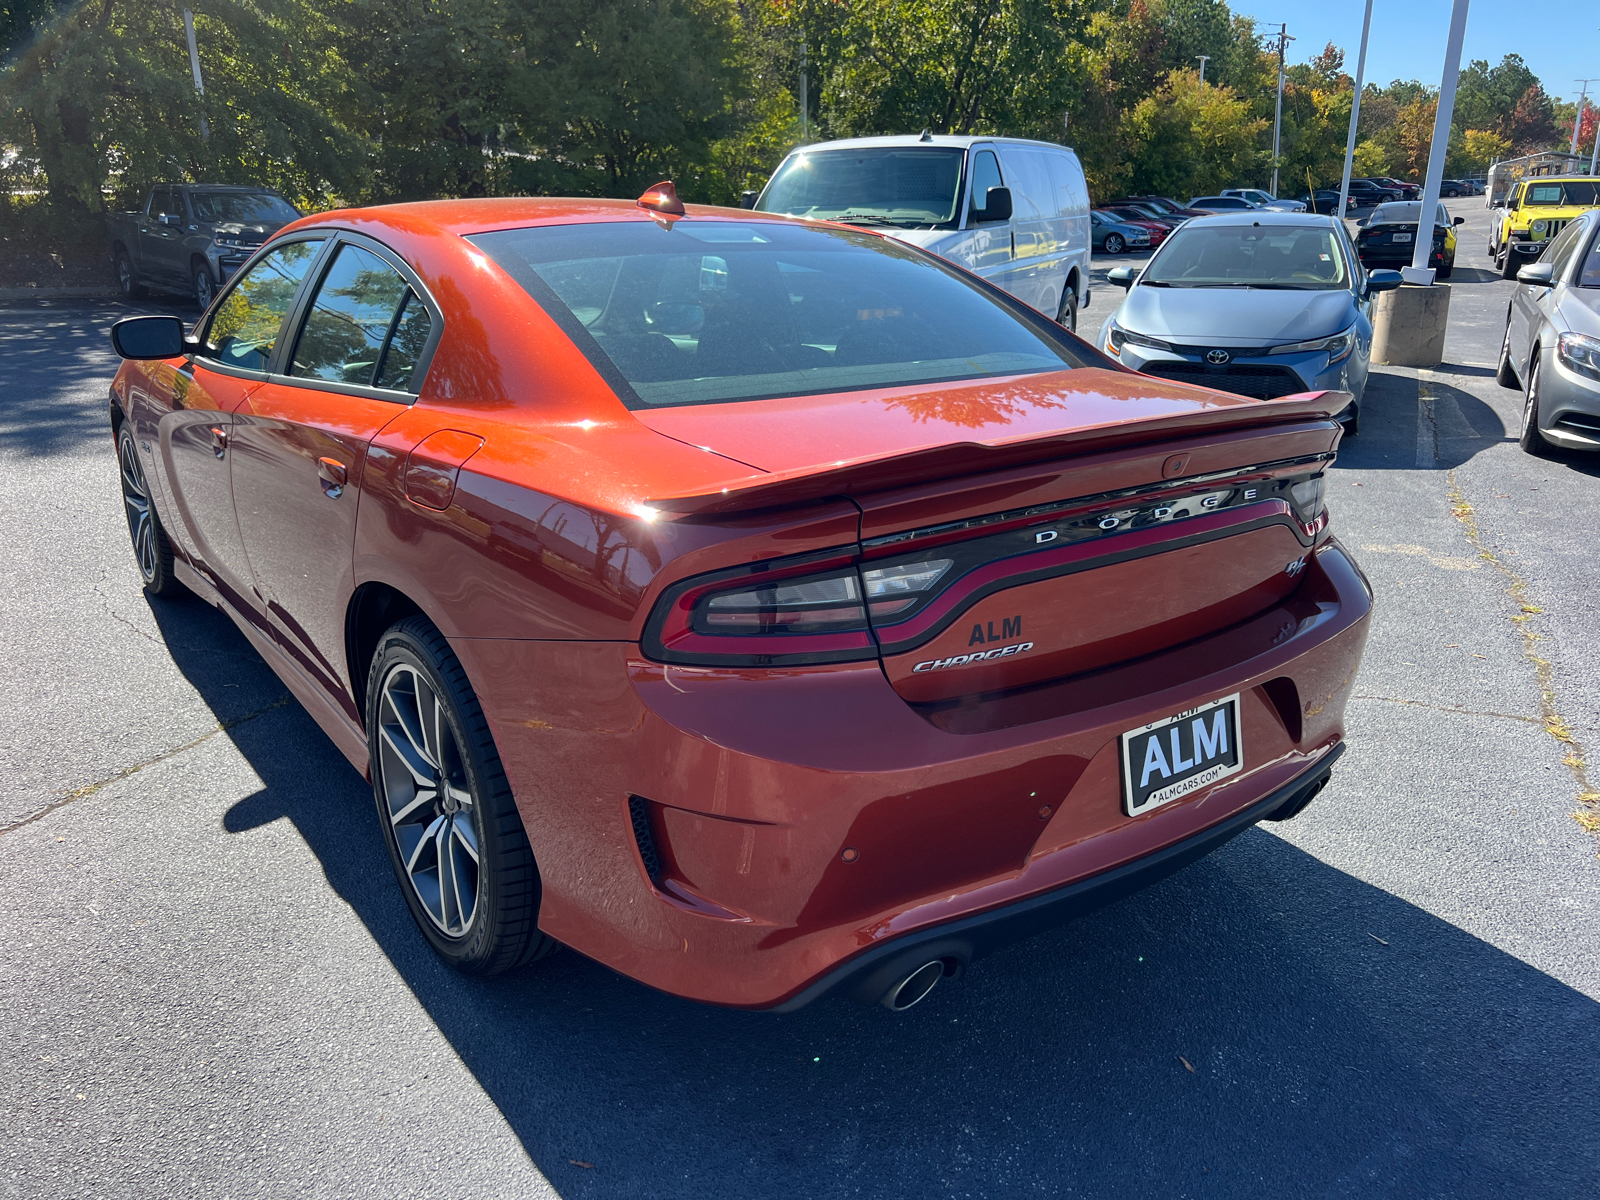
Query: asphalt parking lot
213 988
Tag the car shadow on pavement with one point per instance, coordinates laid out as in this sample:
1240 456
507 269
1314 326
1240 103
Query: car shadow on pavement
1260 1024
1409 424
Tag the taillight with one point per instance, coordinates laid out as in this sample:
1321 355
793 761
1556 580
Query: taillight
803 606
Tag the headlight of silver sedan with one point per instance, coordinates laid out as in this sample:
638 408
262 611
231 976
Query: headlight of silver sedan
1579 352
1121 337
1338 346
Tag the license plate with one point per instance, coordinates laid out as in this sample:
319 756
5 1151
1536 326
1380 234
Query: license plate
1170 758
1399 237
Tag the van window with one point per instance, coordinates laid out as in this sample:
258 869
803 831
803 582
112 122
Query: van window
907 187
1032 191
1072 191
985 175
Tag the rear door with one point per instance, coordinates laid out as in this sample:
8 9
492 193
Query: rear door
1037 233
158 241
300 442
195 431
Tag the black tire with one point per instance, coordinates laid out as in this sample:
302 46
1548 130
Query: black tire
127 278
1445 268
1508 265
1067 318
201 286
1505 374
1530 439
471 803
1115 244
1350 418
151 549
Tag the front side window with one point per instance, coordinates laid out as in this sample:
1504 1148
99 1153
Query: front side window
360 304
164 202
244 331
1589 269
1260 256
985 175
908 187
711 311
1560 251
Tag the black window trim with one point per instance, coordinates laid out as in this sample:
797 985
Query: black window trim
283 358
218 367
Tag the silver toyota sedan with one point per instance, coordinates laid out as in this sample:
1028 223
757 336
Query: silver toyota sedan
1551 350
1259 303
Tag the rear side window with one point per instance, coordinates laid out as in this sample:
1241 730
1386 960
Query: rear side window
360 305
708 311
248 320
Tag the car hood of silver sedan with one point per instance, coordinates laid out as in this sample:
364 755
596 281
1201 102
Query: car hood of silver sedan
1236 316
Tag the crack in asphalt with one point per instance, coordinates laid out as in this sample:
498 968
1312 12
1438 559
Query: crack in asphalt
92 788
1452 708
1556 725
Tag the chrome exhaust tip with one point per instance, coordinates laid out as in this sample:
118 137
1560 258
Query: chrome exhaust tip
914 987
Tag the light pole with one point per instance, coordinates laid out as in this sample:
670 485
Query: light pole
1578 120
1204 58
1355 115
805 99
199 84
1277 121
1419 271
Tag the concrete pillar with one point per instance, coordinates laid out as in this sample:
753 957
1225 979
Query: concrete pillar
1408 325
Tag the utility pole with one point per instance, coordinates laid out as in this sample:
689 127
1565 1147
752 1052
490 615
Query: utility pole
1578 120
1355 115
1419 271
1204 58
199 84
805 99
1277 120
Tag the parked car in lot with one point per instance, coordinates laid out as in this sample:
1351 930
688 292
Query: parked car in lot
189 238
1388 237
1452 188
1261 304
1113 235
1163 205
1156 227
1551 348
1402 190
1263 199
1366 193
763 608
1326 200
1014 211
1535 211
1222 204
1145 211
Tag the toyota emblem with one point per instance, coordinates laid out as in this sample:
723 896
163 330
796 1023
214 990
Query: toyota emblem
1218 358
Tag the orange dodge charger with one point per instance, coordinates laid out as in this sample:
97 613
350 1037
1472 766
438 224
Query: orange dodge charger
764 608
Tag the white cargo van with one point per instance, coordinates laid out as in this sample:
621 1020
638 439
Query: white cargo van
1014 211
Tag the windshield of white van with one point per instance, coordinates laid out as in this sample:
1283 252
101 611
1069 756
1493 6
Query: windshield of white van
907 187
1257 256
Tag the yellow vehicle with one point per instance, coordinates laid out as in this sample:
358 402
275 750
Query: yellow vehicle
1536 210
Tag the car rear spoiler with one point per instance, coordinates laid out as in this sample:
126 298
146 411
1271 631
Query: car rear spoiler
855 477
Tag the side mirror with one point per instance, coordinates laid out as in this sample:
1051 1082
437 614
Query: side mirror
996 205
748 199
1383 281
1459 221
1123 277
1361 222
148 337
1539 274
172 219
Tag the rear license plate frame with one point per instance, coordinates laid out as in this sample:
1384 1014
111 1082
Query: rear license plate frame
1215 753
1399 237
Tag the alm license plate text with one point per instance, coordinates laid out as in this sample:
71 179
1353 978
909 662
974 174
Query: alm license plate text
1400 237
1173 757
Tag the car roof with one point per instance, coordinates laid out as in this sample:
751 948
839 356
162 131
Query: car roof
961 141
484 215
1264 216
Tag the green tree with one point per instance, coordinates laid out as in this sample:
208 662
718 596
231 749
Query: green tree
1191 140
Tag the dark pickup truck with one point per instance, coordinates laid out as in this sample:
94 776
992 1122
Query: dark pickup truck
191 237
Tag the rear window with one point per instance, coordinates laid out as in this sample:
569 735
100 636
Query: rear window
711 311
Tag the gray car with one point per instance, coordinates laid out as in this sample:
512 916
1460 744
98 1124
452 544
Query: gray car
1261 304
1111 236
1551 349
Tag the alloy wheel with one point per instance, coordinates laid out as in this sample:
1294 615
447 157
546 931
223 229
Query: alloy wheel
203 291
136 506
124 274
1113 243
428 800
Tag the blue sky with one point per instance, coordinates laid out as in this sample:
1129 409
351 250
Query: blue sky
1408 36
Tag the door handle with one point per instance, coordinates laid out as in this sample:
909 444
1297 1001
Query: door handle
333 476
219 440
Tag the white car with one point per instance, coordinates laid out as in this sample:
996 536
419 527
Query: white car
1015 212
1265 199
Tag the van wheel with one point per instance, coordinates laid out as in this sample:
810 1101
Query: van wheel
1068 316
1114 243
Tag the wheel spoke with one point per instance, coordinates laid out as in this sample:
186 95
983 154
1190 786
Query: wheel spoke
449 889
460 795
406 751
406 706
430 837
423 797
465 835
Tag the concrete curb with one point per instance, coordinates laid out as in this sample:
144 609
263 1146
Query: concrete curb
60 293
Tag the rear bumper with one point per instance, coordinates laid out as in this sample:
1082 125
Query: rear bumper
868 976
806 823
